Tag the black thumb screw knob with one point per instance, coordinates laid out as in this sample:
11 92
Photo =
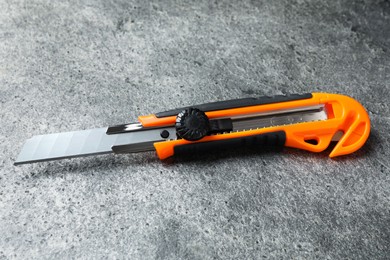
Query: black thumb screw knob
192 124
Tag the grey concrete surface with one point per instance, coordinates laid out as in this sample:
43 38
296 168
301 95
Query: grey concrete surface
70 65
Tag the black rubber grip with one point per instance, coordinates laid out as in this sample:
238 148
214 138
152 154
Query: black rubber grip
273 139
236 103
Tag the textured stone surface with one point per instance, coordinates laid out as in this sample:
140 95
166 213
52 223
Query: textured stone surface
81 64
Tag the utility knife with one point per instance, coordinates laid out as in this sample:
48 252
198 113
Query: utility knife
308 121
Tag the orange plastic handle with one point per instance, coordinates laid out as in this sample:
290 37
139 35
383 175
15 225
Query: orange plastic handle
344 114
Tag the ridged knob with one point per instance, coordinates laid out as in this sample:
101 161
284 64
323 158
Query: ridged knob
192 124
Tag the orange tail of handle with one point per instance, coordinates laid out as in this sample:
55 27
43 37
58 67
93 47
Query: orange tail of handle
344 114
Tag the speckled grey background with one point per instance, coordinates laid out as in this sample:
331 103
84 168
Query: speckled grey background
71 65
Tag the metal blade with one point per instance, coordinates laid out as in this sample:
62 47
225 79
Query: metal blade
84 143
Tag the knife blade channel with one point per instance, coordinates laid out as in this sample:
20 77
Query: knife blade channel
279 118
